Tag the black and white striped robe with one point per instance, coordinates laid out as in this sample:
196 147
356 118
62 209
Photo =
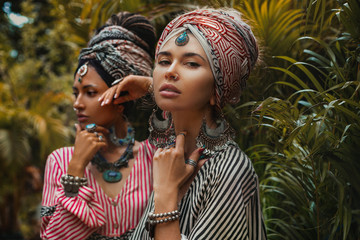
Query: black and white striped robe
221 203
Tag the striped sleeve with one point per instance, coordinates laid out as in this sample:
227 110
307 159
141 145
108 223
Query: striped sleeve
227 206
222 202
64 217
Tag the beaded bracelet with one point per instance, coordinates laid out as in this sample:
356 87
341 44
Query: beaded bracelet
153 219
72 184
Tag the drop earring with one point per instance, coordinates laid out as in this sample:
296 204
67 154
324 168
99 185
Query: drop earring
214 140
162 132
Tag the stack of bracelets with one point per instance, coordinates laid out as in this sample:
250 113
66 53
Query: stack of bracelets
72 184
156 218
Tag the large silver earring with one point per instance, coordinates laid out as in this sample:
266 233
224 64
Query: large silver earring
162 132
214 140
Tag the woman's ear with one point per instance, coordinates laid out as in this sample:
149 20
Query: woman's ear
120 108
212 100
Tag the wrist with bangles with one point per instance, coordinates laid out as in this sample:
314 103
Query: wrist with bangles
72 184
157 218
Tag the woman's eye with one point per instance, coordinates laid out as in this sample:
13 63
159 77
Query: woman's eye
193 64
163 62
75 94
91 93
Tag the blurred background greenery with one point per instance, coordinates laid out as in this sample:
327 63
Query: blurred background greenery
298 120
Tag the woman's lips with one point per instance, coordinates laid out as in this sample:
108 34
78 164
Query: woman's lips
82 118
169 90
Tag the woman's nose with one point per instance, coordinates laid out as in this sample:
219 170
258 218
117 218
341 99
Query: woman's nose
171 72
77 103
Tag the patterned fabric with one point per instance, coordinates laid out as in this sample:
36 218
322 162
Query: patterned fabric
222 202
120 52
229 44
47 211
92 210
125 236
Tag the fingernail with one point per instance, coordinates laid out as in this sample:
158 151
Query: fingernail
115 95
99 99
201 150
107 101
102 104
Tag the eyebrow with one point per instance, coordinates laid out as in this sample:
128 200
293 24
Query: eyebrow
189 54
84 87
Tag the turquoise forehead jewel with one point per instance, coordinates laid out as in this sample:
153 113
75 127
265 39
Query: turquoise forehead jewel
182 39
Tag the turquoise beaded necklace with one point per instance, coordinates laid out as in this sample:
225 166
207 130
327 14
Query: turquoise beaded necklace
111 171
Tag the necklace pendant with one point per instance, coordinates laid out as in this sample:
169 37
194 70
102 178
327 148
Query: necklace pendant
112 176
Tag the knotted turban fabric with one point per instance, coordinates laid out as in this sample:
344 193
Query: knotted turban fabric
229 44
120 53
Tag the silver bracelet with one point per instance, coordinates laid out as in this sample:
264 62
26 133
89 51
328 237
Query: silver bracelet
156 218
161 215
72 184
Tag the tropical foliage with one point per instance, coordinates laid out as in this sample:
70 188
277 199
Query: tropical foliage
298 120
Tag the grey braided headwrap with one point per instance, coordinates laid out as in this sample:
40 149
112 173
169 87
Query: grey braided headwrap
119 52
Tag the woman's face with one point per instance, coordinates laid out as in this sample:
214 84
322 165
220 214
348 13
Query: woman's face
183 79
88 109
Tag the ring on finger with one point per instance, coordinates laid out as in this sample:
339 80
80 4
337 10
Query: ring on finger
182 133
96 134
171 145
191 162
100 138
90 127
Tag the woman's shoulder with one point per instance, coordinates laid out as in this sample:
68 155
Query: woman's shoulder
61 154
231 161
232 155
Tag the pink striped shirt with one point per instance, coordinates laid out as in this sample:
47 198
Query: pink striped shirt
92 211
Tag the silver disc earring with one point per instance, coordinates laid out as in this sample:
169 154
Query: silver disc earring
162 132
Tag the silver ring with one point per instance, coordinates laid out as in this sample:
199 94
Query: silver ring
100 138
90 127
191 162
171 145
96 134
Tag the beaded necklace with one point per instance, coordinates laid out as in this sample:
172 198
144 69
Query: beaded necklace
111 171
122 141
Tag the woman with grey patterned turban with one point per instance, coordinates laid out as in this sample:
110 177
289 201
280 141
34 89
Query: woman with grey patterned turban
99 188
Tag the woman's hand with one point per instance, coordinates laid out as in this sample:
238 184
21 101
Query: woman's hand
169 169
170 173
130 88
85 147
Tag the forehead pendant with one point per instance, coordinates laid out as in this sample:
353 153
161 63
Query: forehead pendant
82 71
182 39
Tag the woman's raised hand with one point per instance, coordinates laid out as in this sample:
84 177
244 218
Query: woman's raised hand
130 88
86 145
170 171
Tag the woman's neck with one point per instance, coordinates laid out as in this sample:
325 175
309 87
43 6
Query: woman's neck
120 127
190 122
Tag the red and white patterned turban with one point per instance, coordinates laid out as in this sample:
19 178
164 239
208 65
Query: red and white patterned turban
229 44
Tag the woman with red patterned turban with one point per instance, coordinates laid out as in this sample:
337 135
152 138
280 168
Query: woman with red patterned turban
205 187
